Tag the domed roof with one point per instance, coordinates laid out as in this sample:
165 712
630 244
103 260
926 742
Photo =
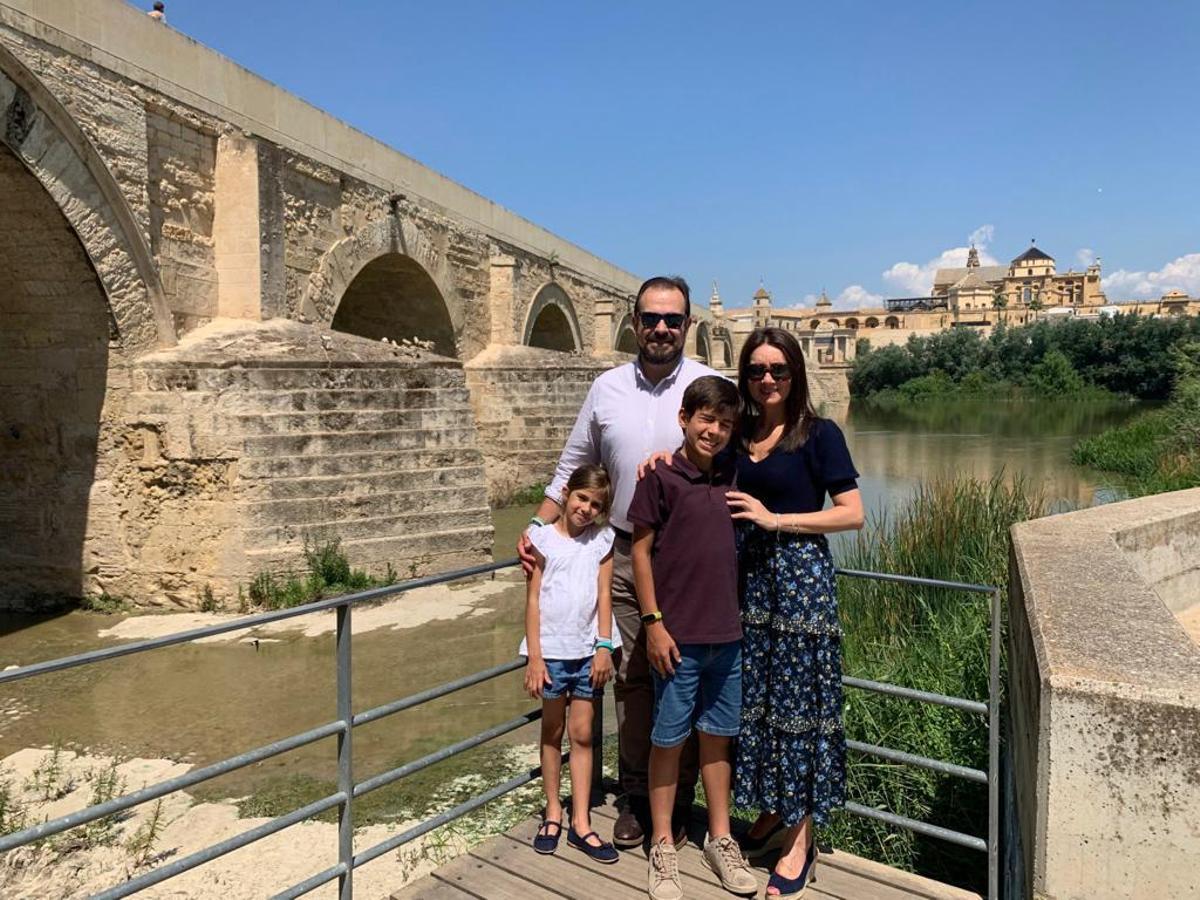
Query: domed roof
761 293
1033 254
824 299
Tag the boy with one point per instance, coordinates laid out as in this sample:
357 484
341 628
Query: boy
685 571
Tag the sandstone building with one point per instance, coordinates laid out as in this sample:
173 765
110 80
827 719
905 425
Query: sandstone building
972 296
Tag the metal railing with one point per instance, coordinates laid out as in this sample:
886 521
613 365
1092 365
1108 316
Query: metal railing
347 720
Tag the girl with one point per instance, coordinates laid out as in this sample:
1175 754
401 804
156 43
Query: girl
570 636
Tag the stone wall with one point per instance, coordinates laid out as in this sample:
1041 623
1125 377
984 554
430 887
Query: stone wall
1103 706
258 440
181 186
525 401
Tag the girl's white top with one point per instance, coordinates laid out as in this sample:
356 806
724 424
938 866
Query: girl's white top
568 599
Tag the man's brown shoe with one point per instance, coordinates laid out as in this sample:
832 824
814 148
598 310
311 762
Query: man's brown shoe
627 831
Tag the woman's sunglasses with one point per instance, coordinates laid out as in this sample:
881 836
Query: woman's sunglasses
650 320
779 371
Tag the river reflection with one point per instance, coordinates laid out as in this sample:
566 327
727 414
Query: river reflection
897 448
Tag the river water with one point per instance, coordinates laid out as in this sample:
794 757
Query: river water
202 702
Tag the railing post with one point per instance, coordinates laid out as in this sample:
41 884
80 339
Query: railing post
345 712
994 752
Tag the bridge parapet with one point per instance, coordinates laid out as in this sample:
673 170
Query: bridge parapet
1104 702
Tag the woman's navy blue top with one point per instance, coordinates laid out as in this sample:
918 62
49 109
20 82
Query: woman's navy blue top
796 481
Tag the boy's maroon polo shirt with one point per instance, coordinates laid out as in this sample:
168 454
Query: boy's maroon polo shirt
694 555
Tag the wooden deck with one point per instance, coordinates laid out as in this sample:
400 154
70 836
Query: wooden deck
506 868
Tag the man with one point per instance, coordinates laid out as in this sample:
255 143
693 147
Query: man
630 412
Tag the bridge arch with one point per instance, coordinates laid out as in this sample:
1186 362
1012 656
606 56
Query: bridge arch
624 337
45 139
704 345
386 280
551 322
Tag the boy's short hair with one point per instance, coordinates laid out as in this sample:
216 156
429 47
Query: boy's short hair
711 392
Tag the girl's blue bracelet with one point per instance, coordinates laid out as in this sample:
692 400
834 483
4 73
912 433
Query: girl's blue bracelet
602 642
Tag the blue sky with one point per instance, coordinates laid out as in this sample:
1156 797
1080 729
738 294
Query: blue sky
845 146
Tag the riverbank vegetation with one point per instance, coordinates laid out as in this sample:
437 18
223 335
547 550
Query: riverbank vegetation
1159 450
933 640
1125 355
329 575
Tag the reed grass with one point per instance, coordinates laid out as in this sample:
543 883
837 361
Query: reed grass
934 640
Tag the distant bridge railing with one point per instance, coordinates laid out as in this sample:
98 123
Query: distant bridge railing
346 720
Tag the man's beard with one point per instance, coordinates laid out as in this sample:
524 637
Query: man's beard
660 354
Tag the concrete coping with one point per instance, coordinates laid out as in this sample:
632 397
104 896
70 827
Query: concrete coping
1102 587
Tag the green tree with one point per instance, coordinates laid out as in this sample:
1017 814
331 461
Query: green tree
999 304
1054 375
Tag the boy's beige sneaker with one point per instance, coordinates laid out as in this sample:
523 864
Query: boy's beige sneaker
724 857
664 872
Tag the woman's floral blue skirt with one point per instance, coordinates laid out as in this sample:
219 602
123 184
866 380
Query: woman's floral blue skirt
791 753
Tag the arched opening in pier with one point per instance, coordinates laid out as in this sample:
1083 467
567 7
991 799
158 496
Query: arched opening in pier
394 297
551 322
703 344
626 341
55 328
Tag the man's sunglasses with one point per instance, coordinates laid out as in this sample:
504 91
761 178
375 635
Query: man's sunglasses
779 371
650 320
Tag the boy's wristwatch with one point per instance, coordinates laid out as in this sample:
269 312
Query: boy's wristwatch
650 618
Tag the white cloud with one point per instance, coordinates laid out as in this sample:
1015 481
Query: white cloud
916 279
1182 274
982 236
854 296
1085 256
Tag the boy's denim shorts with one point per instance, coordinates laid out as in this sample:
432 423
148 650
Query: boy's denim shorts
705 692
570 676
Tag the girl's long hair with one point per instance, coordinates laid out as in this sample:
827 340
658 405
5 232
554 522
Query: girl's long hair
799 414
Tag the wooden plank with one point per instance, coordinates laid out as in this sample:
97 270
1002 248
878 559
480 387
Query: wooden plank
505 867
430 888
479 877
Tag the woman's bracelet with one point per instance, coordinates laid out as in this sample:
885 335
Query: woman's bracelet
603 643
778 523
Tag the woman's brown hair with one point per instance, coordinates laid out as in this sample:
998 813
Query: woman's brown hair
799 414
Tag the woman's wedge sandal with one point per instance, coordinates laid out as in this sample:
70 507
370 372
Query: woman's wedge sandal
544 842
794 888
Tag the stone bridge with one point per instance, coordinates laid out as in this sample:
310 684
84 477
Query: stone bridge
232 324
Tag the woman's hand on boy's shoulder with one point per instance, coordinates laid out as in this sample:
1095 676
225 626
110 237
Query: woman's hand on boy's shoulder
648 464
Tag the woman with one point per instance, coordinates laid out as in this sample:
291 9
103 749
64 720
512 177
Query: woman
791 754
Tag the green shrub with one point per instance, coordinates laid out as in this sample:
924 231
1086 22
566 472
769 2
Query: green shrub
1156 452
329 575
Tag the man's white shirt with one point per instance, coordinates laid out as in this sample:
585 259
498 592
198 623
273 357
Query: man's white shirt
623 420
